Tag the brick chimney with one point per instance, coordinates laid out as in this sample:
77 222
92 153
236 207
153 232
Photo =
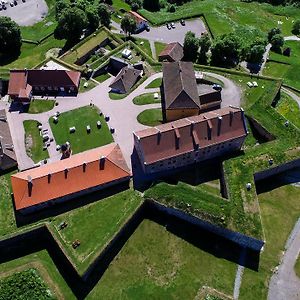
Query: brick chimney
102 162
30 185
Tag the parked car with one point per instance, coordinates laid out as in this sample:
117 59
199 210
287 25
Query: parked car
169 26
182 22
11 4
217 87
173 25
15 2
147 28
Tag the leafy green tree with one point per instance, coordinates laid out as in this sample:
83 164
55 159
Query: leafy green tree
104 15
277 42
60 6
190 46
10 36
255 54
70 24
92 17
128 25
152 5
226 49
82 4
296 27
204 44
273 32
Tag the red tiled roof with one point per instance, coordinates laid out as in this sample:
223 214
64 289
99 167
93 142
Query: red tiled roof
137 16
17 81
83 172
179 137
173 50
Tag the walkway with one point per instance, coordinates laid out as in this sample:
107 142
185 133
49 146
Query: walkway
284 283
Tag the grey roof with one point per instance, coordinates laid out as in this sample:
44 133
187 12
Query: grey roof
172 52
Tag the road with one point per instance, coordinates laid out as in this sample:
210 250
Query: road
123 115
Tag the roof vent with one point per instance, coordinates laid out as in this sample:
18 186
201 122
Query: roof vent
66 172
84 166
30 185
102 162
49 177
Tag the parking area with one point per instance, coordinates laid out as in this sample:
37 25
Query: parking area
177 34
24 12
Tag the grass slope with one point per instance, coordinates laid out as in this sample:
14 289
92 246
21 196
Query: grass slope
81 140
156 83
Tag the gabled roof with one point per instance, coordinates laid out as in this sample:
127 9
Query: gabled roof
180 87
172 52
137 17
182 136
125 79
81 171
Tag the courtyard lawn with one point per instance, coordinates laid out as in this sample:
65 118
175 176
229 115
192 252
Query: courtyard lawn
285 67
224 16
37 106
102 77
91 85
158 48
95 225
144 45
156 83
146 99
34 141
120 4
289 108
156 264
150 117
116 96
81 140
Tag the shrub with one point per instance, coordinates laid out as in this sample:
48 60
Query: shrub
171 8
296 27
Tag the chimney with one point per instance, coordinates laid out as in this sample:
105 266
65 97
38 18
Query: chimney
158 136
49 177
219 124
84 166
66 172
102 162
30 185
231 115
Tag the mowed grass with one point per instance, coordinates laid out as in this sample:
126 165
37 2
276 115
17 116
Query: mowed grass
286 67
156 83
91 85
158 48
289 108
34 141
280 209
224 16
146 99
102 77
155 264
81 140
95 225
39 105
150 117
144 45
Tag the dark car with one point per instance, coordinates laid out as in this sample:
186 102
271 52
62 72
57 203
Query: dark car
147 28
11 4
182 22
217 87
169 26
15 2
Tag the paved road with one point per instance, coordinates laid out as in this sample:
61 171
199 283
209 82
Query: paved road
28 13
164 35
123 115
284 283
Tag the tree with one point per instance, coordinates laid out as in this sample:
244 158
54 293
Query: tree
60 6
70 24
128 25
226 49
152 5
190 46
277 42
10 36
255 54
104 15
92 17
273 32
296 27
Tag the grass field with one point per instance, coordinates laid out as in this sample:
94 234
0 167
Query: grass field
158 48
150 117
285 67
39 105
95 224
146 99
116 96
156 83
102 77
156 264
289 108
81 140
34 141
224 16
91 85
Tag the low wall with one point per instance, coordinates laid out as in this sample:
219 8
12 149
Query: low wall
266 135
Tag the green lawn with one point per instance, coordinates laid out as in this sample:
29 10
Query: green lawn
34 141
88 44
91 85
81 140
144 45
155 264
297 267
120 4
158 48
31 55
116 96
102 77
156 83
30 286
95 225
150 117
146 99
37 106
285 67
289 108
224 16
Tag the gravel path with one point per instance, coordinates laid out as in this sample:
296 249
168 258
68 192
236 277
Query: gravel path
284 283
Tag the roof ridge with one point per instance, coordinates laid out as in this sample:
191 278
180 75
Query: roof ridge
113 162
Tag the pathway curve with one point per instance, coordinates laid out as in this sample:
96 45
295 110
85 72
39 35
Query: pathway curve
284 283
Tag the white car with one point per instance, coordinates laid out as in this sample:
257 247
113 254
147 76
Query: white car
255 84
250 84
